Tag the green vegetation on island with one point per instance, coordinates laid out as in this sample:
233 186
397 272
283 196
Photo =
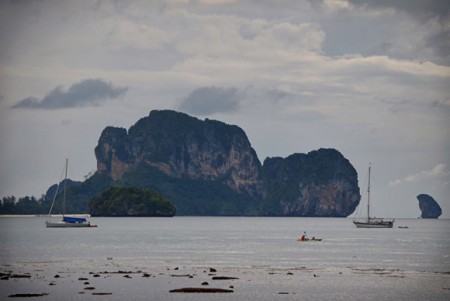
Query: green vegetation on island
130 201
10 205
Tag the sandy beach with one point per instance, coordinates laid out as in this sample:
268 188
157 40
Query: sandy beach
128 280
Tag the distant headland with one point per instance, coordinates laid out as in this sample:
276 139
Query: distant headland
207 167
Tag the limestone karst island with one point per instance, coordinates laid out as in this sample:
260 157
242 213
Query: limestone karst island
207 167
428 206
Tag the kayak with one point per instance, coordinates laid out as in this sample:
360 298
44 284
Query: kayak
308 239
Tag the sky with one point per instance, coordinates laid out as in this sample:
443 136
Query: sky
368 78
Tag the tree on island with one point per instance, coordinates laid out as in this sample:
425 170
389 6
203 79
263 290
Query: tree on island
130 201
24 205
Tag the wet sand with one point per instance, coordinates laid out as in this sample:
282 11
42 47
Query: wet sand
112 279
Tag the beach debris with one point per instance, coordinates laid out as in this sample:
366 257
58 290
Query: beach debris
27 295
201 290
224 278
82 279
6 276
212 270
101 294
20 276
146 275
182 275
127 276
89 288
205 283
117 272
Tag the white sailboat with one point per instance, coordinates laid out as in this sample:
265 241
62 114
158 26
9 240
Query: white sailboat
67 221
371 222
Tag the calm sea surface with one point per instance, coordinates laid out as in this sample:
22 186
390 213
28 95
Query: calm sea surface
232 242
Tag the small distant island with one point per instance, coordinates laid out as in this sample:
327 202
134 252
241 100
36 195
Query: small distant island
429 207
131 201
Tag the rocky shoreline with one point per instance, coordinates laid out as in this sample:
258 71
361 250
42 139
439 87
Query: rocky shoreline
120 280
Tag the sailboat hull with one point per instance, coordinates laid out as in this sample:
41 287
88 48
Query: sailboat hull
378 224
66 225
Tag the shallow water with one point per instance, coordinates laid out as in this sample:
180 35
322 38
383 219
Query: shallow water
262 251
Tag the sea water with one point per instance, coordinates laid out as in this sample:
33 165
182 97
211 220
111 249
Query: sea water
256 246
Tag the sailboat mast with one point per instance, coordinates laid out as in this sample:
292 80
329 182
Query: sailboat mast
65 183
368 198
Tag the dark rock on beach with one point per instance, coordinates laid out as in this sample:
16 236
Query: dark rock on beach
27 295
182 275
224 278
20 276
201 290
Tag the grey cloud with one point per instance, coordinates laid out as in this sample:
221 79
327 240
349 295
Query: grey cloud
418 8
275 95
351 31
89 92
440 42
210 100
422 10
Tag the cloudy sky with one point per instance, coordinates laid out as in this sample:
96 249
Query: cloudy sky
369 78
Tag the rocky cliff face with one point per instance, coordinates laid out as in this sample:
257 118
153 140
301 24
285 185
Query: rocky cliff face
320 183
429 207
181 146
113 152
210 155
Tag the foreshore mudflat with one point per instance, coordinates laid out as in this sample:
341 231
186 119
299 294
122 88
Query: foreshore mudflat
132 280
